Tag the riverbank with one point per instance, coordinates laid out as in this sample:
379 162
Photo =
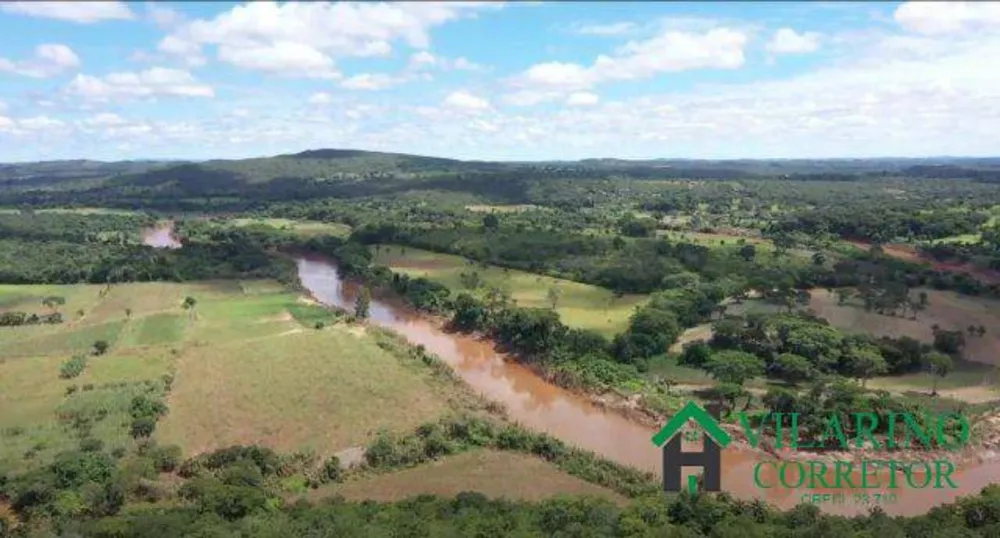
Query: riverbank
612 426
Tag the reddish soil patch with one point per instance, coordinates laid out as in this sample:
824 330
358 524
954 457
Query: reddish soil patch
910 253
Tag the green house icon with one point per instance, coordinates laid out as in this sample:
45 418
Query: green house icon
710 459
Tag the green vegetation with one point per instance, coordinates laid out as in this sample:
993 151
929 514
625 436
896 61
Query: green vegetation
189 392
578 305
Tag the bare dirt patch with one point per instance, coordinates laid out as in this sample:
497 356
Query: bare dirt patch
695 334
910 253
948 310
308 301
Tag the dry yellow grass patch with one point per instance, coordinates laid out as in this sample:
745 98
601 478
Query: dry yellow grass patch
492 473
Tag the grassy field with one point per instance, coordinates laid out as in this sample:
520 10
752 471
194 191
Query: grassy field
88 211
319 390
302 227
579 305
967 239
246 365
494 474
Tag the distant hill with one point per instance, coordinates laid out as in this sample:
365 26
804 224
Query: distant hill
371 171
35 175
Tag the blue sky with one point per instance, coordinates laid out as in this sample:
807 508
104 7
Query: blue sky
491 80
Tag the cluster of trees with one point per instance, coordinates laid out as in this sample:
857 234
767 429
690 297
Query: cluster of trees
896 221
18 318
72 227
249 511
794 348
220 254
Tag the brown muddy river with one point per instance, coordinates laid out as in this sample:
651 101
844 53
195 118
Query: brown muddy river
542 406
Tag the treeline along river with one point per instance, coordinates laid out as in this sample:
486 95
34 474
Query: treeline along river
542 406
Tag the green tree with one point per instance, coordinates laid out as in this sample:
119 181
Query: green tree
939 365
864 363
101 347
792 368
362 305
734 367
189 304
491 222
470 279
553 295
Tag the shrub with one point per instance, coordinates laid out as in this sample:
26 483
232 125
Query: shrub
101 347
73 367
142 427
166 458
242 473
332 471
91 445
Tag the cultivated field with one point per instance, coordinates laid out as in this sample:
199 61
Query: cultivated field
579 305
492 473
245 365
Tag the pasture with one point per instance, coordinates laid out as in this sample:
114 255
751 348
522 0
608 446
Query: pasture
578 305
319 390
306 228
244 365
493 473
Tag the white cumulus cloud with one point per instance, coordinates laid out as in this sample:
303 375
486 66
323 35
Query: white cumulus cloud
149 83
582 99
320 99
370 82
307 38
788 41
462 100
48 60
670 51
938 18
79 12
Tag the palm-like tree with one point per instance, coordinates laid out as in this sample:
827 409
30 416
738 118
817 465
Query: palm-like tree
189 304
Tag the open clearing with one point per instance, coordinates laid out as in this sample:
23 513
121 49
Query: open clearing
247 367
320 390
976 379
492 473
502 208
579 305
947 309
306 228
